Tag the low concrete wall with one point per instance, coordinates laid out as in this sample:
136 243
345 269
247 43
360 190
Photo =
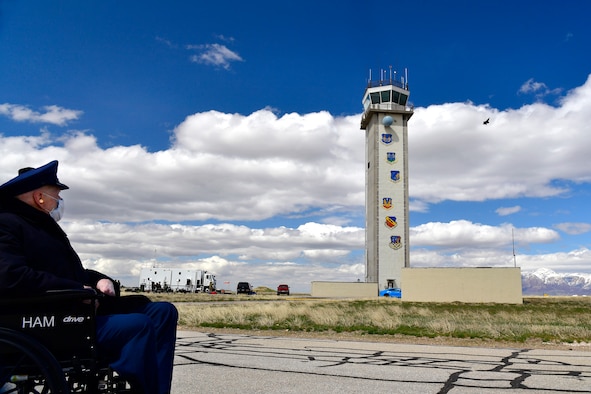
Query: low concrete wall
470 285
344 289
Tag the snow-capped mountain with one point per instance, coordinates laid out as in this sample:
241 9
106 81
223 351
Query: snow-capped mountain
545 281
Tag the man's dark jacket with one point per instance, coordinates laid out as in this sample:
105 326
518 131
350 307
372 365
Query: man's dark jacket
35 253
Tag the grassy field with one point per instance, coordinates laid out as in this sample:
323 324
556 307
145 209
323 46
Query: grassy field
550 320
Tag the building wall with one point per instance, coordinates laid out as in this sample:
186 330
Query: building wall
371 207
393 256
344 289
470 285
386 199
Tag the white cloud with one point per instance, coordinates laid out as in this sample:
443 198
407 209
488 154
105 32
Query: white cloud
504 211
217 55
540 89
224 38
310 252
453 156
188 204
53 114
461 233
138 246
570 261
574 228
166 42
530 86
214 54
176 240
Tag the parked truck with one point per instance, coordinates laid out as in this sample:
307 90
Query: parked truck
177 280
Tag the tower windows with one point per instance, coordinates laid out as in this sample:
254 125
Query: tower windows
386 96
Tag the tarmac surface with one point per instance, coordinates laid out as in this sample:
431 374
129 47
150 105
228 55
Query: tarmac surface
229 363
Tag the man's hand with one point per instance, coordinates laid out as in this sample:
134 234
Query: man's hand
89 301
106 287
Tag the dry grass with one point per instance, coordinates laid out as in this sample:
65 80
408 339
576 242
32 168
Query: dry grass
545 319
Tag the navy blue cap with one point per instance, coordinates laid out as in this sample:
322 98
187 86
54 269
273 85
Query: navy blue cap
32 178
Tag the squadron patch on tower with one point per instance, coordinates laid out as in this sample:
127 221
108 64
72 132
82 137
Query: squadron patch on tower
387 202
395 176
387 138
391 157
395 242
391 221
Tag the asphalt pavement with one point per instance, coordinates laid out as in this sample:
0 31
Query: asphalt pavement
228 363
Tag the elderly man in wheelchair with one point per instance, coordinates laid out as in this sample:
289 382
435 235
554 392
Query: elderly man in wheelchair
64 328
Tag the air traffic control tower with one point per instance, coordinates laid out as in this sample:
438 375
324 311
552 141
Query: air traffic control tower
385 117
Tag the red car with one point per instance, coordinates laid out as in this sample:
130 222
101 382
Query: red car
283 289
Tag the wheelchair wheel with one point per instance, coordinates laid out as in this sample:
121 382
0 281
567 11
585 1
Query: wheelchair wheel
27 367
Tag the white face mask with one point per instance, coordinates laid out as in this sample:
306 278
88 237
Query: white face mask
58 212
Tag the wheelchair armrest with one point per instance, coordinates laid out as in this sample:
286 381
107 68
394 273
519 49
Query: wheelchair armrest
61 320
72 293
50 297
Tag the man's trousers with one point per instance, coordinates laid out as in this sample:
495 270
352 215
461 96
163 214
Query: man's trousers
139 345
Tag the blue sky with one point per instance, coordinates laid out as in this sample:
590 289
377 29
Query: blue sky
226 135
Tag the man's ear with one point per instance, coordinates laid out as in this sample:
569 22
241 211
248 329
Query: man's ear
38 199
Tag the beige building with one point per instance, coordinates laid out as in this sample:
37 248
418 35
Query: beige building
471 285
498 285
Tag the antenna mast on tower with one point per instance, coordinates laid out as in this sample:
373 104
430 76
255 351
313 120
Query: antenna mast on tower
514 258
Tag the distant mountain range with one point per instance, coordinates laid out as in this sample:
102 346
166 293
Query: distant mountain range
545 281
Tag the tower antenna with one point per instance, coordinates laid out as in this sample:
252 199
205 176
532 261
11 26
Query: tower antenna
514 258
406 77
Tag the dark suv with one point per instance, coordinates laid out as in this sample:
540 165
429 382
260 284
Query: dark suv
244 288
283 289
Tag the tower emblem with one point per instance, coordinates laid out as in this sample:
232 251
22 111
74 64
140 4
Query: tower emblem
387 138
395 176
391 221
395 242
387 202
391 157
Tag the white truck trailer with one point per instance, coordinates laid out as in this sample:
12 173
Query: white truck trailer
177 279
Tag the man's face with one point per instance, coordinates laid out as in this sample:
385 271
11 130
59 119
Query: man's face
53 195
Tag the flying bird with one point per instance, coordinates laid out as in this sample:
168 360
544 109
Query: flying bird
487 121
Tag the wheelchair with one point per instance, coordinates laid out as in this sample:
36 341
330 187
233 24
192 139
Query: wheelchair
48 345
